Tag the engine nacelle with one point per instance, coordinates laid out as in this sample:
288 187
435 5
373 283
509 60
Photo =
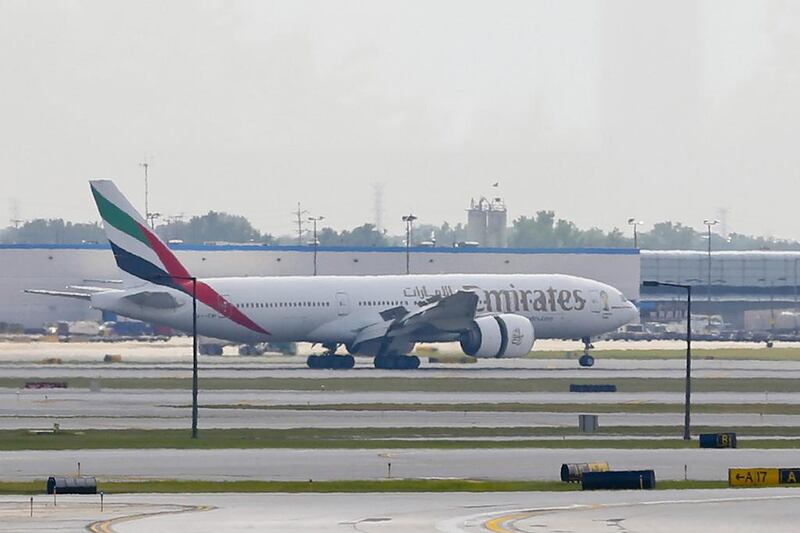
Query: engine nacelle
505 335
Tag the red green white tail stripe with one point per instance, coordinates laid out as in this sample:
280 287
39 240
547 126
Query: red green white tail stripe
141 253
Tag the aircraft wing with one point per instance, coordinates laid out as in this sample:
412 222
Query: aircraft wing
450 314
153 298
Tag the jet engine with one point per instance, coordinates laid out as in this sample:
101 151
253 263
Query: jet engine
505 335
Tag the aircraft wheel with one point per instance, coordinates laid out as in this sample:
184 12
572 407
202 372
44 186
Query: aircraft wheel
586 360
413 362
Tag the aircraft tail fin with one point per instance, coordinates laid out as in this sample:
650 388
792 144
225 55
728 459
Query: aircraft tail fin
139 252
137 249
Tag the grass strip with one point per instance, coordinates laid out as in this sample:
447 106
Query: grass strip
349 486
336 438
476 384
518 407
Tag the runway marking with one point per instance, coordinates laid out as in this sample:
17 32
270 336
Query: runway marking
500 524
106 526
497 525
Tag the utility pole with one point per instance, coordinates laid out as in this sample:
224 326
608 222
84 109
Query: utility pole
299 214
145 165
15 220
378 191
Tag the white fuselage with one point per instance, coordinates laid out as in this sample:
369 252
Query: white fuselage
333 309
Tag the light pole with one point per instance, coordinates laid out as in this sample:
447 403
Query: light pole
194 346
688 402
633 222
795 295
314 220
709 223
772 304
409 220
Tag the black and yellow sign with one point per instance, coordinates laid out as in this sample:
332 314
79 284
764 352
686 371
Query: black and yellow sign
763 477
753 477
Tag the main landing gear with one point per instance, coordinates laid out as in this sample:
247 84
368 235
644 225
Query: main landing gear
586 360
397 362
330 360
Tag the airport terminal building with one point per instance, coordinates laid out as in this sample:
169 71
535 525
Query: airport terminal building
732 285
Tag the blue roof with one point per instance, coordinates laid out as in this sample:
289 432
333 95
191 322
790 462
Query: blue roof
360 249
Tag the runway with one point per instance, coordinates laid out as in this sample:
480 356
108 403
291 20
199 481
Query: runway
723 511
151 366
333 464
173 358
109 408
167 409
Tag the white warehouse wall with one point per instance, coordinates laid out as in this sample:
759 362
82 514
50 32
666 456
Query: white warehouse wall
57 266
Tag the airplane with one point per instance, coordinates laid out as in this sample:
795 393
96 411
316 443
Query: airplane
490 315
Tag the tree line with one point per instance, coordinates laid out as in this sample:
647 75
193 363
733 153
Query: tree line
540 230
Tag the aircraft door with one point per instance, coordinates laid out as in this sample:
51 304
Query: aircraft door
598 303
342 304
594 301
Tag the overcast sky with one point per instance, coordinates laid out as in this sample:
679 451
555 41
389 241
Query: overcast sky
597 110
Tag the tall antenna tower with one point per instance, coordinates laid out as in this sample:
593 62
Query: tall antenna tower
722 213
378 206
14 208
299 214
149 217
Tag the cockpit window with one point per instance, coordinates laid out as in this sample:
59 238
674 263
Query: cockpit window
622 298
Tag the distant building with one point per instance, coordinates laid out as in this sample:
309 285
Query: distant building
487 222
739 282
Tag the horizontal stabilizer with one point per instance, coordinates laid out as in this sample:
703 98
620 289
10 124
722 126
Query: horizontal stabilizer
87 289
63 294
